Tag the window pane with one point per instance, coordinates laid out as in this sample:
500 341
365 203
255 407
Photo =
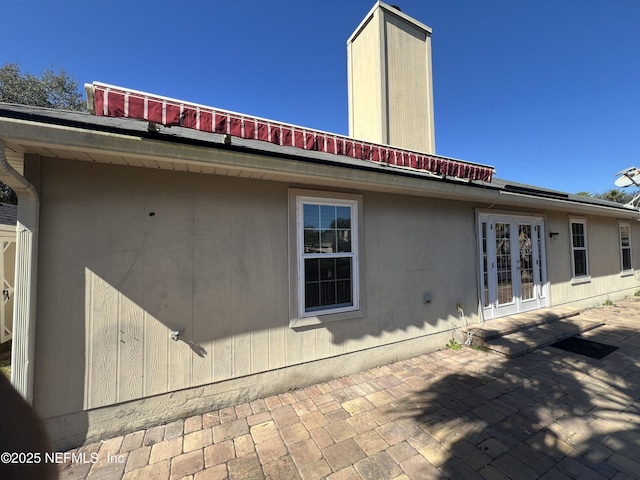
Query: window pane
327 216
343 217
343 292
344 240
539 257
327 268
578 241
580 262
578 234
577 228
626 259
503 263
526 261
328 243
328 281
311 225
311 270
624 235
311 216
327 293
311 241
485 264
343 268
311 296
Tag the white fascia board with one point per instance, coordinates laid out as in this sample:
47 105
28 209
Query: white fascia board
342 171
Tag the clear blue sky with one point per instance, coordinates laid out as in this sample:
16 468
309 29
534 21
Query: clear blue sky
547 91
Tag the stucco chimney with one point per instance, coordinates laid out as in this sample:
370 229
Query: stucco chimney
390 85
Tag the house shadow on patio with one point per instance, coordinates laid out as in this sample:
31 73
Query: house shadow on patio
547 412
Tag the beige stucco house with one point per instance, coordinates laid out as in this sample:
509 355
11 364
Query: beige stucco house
173 258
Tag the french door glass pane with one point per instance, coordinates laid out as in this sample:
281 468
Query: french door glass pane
503 263
539 260
485 264
526 262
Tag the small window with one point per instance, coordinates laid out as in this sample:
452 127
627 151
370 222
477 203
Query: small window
326 257
625 247
579 252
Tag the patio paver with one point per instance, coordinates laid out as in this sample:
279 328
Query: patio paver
449 414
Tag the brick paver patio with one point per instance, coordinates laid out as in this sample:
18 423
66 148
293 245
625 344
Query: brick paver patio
451 414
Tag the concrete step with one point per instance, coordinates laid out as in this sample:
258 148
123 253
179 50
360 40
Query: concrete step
524 341
515 323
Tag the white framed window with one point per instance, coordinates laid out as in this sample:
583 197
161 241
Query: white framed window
326 256
626 265
579 250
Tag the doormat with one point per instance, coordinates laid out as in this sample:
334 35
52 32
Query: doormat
585 347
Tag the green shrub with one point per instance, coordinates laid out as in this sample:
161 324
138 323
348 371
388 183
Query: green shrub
453 345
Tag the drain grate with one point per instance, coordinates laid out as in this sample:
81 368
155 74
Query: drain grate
585 347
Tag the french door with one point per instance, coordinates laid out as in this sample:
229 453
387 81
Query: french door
513 273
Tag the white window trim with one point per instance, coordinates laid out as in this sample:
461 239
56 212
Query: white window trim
623 272
298 317
353 205
575 280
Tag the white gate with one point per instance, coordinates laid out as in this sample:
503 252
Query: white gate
7 268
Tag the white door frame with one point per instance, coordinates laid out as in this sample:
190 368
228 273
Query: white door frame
512 257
